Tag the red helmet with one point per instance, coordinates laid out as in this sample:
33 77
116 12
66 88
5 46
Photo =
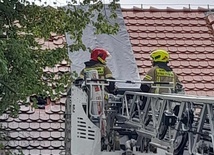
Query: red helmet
99 54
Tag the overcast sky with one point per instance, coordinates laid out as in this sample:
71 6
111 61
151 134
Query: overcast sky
145 3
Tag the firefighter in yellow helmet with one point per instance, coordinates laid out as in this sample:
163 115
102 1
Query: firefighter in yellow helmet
161 72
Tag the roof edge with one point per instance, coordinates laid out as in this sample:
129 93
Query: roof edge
167 9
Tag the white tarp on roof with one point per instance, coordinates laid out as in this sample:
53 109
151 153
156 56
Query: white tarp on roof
122 62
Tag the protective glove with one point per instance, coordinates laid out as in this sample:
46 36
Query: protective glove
78 82
145 88
179 88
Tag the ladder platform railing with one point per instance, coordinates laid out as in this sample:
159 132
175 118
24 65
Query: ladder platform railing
166 102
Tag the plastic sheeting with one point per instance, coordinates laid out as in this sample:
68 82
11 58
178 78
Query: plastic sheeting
122 62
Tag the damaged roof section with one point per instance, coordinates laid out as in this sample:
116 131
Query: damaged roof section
186 34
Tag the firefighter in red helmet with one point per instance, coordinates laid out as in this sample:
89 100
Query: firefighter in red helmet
98 62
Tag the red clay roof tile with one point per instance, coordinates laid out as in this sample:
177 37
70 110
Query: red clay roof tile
172 49
59 41
135 42
153 42
56 144
165 15
189 86
132 21
178 70
144 42
208 79
24 125
43 116
55 108
211 63
209 49
193 63
168 28
54 117
199 85
152 35
191 57
173 56
144 56
189 43
24 108
143 35
55 134
185 63
23 117
183 56
188 78
151 29
147 63
162 42
186 35
175 63
201 93
181 49
171 42
200 49
203 63
170 35
186 71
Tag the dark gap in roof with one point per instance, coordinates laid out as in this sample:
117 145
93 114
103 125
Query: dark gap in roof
41 101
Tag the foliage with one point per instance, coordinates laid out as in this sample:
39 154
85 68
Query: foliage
21 58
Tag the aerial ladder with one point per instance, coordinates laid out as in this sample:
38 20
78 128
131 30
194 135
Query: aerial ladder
98 123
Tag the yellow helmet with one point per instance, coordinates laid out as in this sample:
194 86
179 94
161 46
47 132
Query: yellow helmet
160 56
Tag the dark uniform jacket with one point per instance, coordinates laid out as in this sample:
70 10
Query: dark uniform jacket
161 73
103 72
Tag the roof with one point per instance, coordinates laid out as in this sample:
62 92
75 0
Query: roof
39 131
186 34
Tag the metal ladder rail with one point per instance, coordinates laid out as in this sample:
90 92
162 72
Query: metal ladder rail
151 105
68 123
139 125
207 111
183 99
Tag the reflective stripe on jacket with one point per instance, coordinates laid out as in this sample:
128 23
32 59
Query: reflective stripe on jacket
161 75
103 71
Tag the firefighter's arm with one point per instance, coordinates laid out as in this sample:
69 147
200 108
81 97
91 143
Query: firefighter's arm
107 72
81 74
178 85
80 79
108 75
148 77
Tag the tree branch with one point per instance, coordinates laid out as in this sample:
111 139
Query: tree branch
3 36
3 83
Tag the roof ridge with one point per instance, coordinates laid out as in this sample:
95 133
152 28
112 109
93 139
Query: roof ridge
167 9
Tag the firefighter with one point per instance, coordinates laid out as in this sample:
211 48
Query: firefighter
98 62
161 72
